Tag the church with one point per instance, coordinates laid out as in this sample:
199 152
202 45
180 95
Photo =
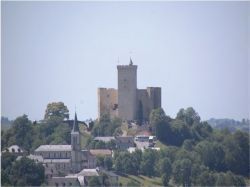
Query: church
128 102
69 165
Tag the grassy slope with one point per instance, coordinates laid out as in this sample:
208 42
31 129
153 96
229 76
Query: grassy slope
140 180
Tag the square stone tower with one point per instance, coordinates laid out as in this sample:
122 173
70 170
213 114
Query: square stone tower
127 102
127 91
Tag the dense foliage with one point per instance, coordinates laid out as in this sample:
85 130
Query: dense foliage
193 153
23 172
30 135
106 126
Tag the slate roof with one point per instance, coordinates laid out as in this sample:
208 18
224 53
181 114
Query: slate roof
75 125
53 148
104 138
66 160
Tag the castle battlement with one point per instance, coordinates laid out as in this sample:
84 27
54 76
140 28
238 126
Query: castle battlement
126 101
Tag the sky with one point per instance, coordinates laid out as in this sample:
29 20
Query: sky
197 52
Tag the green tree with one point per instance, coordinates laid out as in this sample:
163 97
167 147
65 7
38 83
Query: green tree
106 126
26 172
189 116
237 153
212 155
205 178
148 162
56 110
22 132
229 179
182 172
108 163
94 181
165 170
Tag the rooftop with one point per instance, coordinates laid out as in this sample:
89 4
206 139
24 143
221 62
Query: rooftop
56 160
104 138
53 148
103 152
89 172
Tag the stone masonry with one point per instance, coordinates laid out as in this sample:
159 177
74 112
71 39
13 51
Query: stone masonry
127 102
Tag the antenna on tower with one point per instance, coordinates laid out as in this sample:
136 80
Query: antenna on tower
118 61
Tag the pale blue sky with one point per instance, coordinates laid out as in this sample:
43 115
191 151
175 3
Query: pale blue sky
63 51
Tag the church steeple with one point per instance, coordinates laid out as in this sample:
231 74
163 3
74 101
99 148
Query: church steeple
75 125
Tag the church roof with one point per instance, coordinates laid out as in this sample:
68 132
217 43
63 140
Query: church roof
101 152
56 160
104 138
49 148
75 125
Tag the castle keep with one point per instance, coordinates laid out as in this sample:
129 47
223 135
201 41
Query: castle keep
127 102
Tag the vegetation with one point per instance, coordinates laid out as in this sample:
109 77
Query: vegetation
30 135
23 172
230 124
192 152
106 126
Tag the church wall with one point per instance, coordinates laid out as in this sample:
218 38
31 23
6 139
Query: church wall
107 102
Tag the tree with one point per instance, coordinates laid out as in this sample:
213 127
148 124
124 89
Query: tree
189 116
160 126
212 155
26 172
156 116
94 181
237 153
108 163
165 170
182 172
22 132
148 162
179 132
56 110
229 179
106 126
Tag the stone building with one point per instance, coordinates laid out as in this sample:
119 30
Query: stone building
128 102
66 165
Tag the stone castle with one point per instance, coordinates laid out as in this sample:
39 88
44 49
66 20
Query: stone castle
128 102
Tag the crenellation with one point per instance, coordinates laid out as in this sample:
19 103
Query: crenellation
125 101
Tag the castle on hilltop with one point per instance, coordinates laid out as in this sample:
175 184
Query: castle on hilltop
127 102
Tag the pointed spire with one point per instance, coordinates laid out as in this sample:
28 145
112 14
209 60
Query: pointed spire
131 62
75 125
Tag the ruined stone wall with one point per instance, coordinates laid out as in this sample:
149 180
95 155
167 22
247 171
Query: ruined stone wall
154 94
150 99
107 102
